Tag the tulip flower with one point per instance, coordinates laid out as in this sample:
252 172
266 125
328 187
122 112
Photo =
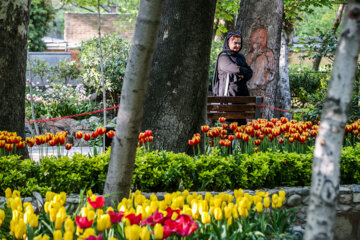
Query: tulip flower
87 136
116 217
134 219
97 203
79 135
205 128
110 134
83 222
68 146
222 119
148 133
158 231
94 135
9 147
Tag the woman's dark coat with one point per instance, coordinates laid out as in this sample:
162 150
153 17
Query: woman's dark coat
233 64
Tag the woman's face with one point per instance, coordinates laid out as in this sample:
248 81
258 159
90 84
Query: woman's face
234 43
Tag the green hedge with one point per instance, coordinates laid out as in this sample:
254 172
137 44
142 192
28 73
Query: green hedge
166 171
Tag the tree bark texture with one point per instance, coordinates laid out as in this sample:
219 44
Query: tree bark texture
326 165
260 23
123 151
14 22
284 81
175 105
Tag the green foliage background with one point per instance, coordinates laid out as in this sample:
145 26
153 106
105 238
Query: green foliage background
41 13
166 171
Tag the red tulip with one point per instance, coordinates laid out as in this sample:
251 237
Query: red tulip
95 238
224 126
192 142
68 146
2 143
231 137
256 149
348 128
83 222
110 134
233 126
148 133
150 138
94 135
79 135
222 119
116 217
101 130
87 136
134 219
257 142
98 203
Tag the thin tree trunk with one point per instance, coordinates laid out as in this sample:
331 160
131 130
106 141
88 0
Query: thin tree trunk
102 70
14 22
326 165
123 151
260 23
176 102
284 81
317 60
31 97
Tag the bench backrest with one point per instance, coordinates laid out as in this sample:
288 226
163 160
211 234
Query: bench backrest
233 107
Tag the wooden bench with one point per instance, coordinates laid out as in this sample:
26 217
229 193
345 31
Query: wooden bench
233 107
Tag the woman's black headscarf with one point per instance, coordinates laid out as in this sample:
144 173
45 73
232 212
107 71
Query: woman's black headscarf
234 56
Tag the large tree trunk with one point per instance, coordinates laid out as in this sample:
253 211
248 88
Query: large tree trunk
339 12
284 81
14 22
260 24
326 164
178 87
123 151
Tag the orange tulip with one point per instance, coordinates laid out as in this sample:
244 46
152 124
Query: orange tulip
94 134
20 145
205 128
2 143
9 147
101 130
257 142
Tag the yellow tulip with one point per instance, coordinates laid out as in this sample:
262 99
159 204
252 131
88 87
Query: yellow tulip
15 194
19 229
45 237
68 235
34 220
61 214
154 205
49 196
205 218
8 193
144 234
158 231
282 194
52 214
229 221
259 207
132 232
153 197
235 213
218 214
69 225
87 233
185 193
57 235
38 237
2 215
89 193
227 212
58 223
266 202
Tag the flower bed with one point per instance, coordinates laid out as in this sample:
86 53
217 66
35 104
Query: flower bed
178 216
